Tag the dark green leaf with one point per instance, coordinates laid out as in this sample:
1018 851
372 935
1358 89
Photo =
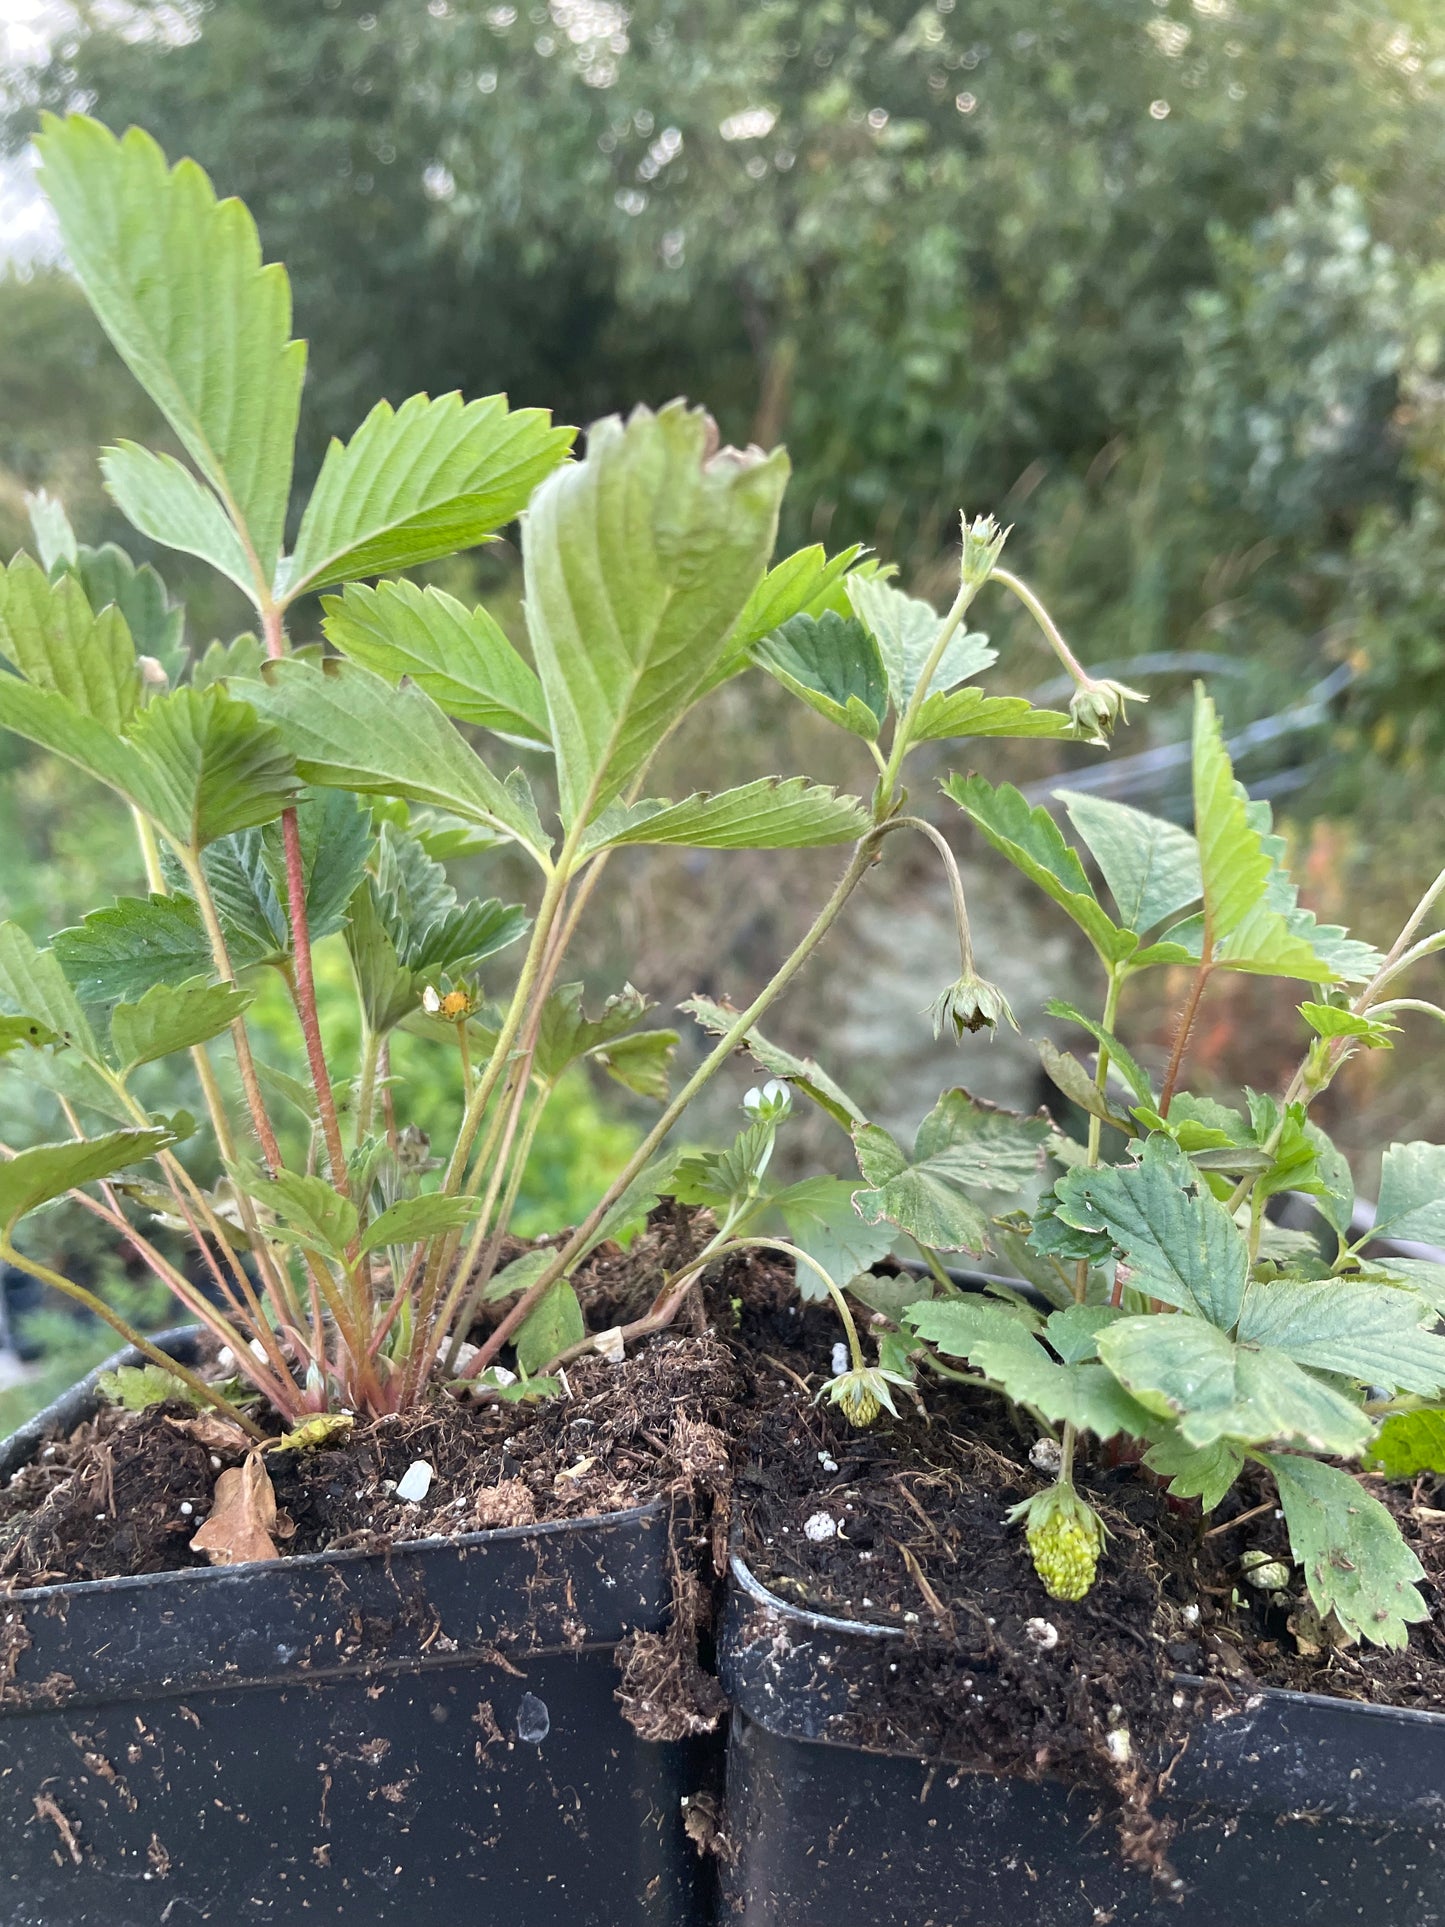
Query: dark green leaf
833 665
553 1325
774 813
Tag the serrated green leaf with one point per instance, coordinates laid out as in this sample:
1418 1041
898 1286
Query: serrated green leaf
642 1062
175 279
417 482
1335 1197
385 988
172 1018
459 656
1328 1020
1412 1193
1355 1562
639 562
161 498
309 1210
775 813
905 631
808 1076
349 729
929 1206
1032 842
969 712
1150 865
464 937
1001 1343
1188 1370
832 665
1065 1071
1119 1057
978 1144
34 1177
819 1218
219 765
1408 1443
1244 932
411 1219
108 575
51 635
554 1325
1074 1331
1180 1244
33 984
240 658
727 1179
806 583
1371 1333
57 725
1416 1274
524 1270
567 1033
1203 1472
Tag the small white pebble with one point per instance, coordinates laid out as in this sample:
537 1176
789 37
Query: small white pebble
820 1526
100 1515
186 1508
465 1355
226 1359
415 1482
828 1462
215 1463
840 1359
1044 1634
1118 1745
1046 1455
501 1376
867 1602
1190 1615
910 1619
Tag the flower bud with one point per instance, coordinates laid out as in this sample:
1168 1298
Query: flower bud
983 540
1099 703
971 1004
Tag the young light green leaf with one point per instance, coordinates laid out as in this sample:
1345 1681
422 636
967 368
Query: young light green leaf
50 634
137 1387
728 1179
48 1171
1408 1443
819 1218
803 1072
566 1033
175 279
1328 1020
639 562
218 765
833 666
165 502
309 1210
1203 1472
809 582
1179 1243
554 1325
420 481
1150 865
410 1219
172 1018
969 712
1335 1197
1412 1193
775 813
1188 1370
1032 842
240 658
349 729
459 656
1356 1564
905 631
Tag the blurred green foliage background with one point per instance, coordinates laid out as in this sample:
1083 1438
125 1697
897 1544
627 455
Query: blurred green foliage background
1160 282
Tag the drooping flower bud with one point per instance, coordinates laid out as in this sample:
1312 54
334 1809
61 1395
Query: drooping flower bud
973 1004
1098 703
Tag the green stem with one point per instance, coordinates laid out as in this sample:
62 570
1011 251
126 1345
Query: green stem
955 883
903 729
840 1303
1045 622
366 1084
863 858
478 1268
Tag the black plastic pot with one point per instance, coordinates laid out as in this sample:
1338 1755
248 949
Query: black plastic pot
1293 1810
429 1735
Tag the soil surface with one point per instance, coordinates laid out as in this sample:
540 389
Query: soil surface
904 1524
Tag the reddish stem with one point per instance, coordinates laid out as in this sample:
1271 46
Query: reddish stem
1186 1025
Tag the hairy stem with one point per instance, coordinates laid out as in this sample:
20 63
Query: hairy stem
955 883
1186 1024
245 1063
1047 625
304 996
903 729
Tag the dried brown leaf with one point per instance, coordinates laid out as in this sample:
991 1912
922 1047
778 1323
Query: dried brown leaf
217 1434
242 1517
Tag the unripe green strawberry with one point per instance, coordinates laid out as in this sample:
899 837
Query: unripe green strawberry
861 1394
858 1402
1065 1557
1065 1539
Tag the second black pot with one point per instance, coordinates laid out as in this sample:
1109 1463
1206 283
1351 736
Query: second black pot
1293 1810
429 1734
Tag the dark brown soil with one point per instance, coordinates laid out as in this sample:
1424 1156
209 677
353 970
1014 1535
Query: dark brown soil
908 1528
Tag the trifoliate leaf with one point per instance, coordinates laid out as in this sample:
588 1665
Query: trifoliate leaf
410 1219
1203 1472
137 1387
